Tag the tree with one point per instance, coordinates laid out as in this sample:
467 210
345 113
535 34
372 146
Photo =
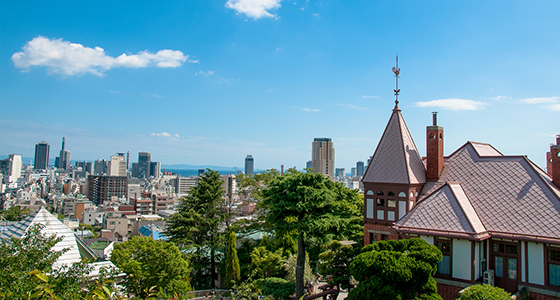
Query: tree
196 225
150 263
267 263
233 272
484 292
33 251
396 270
336 262
15 213
278 288
309 206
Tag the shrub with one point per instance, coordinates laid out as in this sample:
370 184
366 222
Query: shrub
276 287
484 292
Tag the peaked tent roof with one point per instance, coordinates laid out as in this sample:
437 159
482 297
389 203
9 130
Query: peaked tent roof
396 159
510 195
52 227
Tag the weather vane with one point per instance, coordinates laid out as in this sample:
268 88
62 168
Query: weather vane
397 71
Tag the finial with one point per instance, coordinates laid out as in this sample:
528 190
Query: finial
397 71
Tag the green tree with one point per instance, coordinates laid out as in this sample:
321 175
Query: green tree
484 292
278 288
197 224
15 213
396 270
33 251
267 263
150 263
233 271
309 206
336 263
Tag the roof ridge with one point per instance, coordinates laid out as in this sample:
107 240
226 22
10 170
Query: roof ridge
463 208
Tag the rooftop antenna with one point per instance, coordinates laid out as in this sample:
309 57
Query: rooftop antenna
397 71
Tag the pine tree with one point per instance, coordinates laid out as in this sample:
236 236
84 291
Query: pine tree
233 271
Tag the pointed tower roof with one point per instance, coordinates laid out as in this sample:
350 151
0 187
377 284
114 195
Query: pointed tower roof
52 227
396 159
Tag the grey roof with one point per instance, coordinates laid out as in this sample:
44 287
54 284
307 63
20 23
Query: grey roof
509 196
396 159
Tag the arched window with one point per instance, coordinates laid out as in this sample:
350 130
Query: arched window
402 194
391 194
411 194
558 154
379 193
432 136
370 192
441 136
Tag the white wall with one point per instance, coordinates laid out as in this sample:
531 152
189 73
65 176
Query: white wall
477 272
461 259
428 239
535 255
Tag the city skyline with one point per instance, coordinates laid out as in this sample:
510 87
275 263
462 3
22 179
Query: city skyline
187 82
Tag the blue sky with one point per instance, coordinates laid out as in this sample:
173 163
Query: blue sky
208 82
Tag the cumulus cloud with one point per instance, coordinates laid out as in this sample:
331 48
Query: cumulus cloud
500 98
311 109
164 134
555 107
209 73
541 100
255 9
66 58
453 104
366 96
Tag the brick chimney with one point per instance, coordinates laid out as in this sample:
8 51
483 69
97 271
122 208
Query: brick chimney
549 163
555 157
434 141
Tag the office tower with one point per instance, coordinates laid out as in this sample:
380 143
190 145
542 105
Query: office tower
353 172
41 156
86 166
117 166
360 168
322 157
201 172
144 159
14 167
340 172
102 188
249 164
100 167
155 169
309 165
63 160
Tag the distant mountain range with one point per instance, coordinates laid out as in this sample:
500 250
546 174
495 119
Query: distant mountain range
27 160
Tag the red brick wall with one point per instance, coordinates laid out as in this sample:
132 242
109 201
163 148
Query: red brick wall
448 292
434 149
536 296
377 227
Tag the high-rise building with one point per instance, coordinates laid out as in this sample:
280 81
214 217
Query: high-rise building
155 169
100 167
249 164
41 161
309 165
322 156
117 166
63 160
86 166
340 172
14 168
353 172
103 188
144 159
360 168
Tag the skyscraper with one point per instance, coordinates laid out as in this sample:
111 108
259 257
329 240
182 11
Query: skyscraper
117 166
309 165
144 159
14 168
249 164
41 161
322 156
360 168
63 160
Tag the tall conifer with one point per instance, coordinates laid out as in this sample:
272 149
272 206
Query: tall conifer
233 271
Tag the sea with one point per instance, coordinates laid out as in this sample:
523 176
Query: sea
188 172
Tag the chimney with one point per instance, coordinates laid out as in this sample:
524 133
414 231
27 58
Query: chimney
555 161
434 141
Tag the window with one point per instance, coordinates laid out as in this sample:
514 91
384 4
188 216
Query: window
444 266
402 194
379 193
370 192
391 194
390 215
380 202
553 266
380 214
391 203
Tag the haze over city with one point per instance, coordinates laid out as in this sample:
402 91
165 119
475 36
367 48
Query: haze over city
209 82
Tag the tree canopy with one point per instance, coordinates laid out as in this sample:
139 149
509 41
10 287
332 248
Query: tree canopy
484 292
307 205
197 224
150 263
336 263
396 270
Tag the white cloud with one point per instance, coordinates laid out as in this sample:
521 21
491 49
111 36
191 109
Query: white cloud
453 104
500 98
66 58
366 96
316 15
541 100
311 109
164 134
352 106
209 73
255 9
555 107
